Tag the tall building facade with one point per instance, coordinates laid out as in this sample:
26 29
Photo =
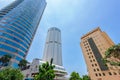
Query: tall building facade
53 47
18 24
94 44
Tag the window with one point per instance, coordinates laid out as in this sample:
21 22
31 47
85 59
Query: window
12 43
99 74
2 53
96 74
90 52
103 74
92 65
94 60
110 73
15 39
89 57
95 64
90 60
84 44
97 69
18 58
3 46
119 73
94 70
115 73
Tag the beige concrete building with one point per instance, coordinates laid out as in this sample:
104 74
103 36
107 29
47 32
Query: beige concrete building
94 44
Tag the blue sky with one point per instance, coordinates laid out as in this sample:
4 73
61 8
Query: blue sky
75 18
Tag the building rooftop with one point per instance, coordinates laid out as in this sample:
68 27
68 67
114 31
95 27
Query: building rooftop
96 29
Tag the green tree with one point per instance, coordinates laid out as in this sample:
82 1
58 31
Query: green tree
11 74
86 77
4 60
46 71
75 76
113 51
22 64
112 55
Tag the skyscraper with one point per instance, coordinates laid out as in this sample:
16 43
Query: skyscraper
53 47
94 44
18 24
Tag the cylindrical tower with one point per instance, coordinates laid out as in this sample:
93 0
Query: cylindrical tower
53 47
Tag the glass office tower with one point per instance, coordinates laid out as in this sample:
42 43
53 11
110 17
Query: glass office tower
18 24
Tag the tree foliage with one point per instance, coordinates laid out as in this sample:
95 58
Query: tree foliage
86 77
75 76
4 60
46 72
113 51
112 55
22 64
11 74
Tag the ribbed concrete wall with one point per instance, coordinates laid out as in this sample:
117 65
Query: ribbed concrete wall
53 48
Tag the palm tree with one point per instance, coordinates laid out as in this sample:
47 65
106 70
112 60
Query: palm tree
112 55
46 71
4 60
22 64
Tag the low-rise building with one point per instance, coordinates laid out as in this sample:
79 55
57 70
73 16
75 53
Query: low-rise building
33 68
